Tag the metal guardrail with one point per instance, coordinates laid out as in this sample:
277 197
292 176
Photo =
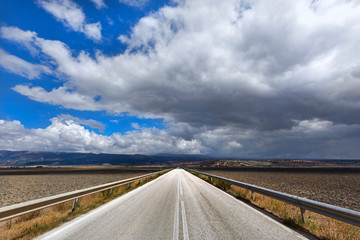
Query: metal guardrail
339 213
33 205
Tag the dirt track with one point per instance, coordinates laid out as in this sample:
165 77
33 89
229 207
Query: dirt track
341 188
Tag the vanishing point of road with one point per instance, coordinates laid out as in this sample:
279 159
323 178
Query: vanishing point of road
177 205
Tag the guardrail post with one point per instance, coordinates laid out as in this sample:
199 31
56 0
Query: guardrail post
9 223
128 185
303 215
111 191
74 205
252 196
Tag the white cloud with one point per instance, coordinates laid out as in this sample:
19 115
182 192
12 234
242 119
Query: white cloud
234 144
313 125
71 15
68 135
135 3
17 35
59 96
99 4
88 122
135 125
21 67
110 21
93 30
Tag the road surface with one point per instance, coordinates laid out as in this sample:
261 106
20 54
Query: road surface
176 205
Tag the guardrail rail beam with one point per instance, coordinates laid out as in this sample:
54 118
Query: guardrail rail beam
339 213
19 209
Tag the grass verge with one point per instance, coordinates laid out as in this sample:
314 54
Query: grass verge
31 225
319 225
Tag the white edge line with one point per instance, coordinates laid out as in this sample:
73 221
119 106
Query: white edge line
258 212
58 230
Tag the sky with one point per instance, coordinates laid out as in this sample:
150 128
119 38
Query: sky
236 78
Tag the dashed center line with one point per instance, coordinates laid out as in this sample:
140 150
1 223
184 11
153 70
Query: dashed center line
181 192
185 228
176 215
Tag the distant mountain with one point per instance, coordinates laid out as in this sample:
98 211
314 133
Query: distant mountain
278 163
33 158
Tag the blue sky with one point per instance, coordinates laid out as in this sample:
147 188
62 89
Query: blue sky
233 78
116 18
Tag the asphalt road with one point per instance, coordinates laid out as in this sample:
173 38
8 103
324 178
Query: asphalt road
177 205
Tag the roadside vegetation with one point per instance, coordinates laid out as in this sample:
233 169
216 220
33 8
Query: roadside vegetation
319 225
31 225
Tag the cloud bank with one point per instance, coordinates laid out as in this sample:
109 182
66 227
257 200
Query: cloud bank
66 133
319 139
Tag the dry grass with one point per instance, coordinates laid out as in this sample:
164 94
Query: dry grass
321 226
31 225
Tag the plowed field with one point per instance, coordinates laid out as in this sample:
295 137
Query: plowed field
339 187
20 185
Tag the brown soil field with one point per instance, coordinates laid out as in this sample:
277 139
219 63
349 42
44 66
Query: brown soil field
340 187
20 185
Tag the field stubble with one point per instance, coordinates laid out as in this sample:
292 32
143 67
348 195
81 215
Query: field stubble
340 188
23 185
319 225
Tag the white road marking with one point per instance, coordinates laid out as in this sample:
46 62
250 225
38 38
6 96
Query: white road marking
185 228
176 215
73 223
181 188
255 225
247 206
